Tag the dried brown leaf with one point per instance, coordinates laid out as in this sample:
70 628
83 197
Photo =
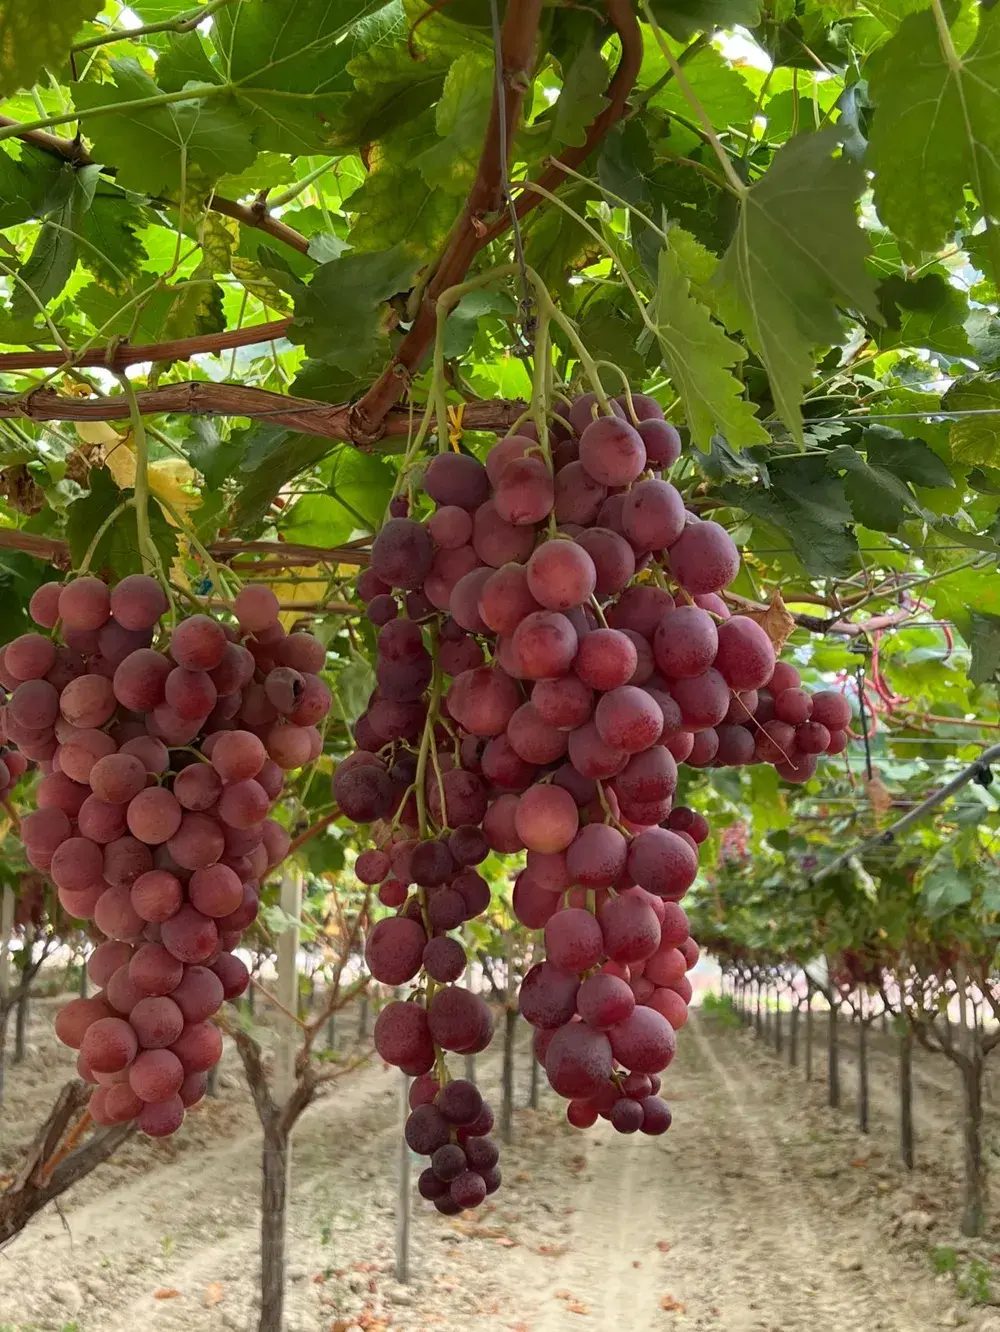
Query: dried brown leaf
166 1293
671 1305
664 1246
879 795
214 1292
775 620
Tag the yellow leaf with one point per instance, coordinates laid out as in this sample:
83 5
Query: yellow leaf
97 432
298 594
120 461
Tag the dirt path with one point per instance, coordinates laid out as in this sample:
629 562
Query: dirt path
752 1215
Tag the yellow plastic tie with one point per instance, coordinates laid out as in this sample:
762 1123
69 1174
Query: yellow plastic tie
455 415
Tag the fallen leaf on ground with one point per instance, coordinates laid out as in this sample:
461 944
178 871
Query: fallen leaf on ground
552 1250
574 1306
636 1263
214 1292
663 1246
860 1161
166 1294
671 1305
561 1295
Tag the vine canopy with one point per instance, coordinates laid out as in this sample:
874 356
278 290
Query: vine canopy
779 218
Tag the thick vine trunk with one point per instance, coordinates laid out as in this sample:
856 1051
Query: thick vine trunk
534 1083
84 980
212 1082
974 1181
833 1060
21 1026
809 1036
331 1032
507 1094
906 1097
760 1015
273 1221
364 1008
863 1076
793 1032
777 1022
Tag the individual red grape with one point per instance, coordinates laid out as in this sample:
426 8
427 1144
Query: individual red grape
394 950
154 815
613 557
138 601
703 699
578 496
139 682
109 1044
644 1042
496 541
592 756
44 605
84 604
578 1061
116 778
612 451
484 700
831 709
606 658
524 494
30 656
653 515
198 1047
573 940
547 818
564 703
704 558
596 856
663 443
628 719
198 643
548 996
663 863
630 928
561 575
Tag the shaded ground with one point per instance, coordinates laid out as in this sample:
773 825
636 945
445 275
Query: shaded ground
761 1211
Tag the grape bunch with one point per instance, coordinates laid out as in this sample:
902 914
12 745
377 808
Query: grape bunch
162 750
552 643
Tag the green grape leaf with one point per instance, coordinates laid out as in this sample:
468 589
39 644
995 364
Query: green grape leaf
288 61
464 319
683 18
975 439
460 119
218 459
984 643
808 505
32 185
110 225
184 60
359 487
268 170
328 383
156 149
33 36
392 89
397 205
699 358
878 498
720 88
798 255
284 456
118 549
936 129
339 315
909 459
54 255
937 327
581 99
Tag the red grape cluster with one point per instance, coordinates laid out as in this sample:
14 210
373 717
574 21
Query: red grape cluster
162 751
574 603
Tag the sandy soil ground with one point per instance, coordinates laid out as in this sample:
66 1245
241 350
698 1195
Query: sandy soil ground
761 1211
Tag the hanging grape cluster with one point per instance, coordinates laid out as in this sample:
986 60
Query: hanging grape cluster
552 643
162 750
